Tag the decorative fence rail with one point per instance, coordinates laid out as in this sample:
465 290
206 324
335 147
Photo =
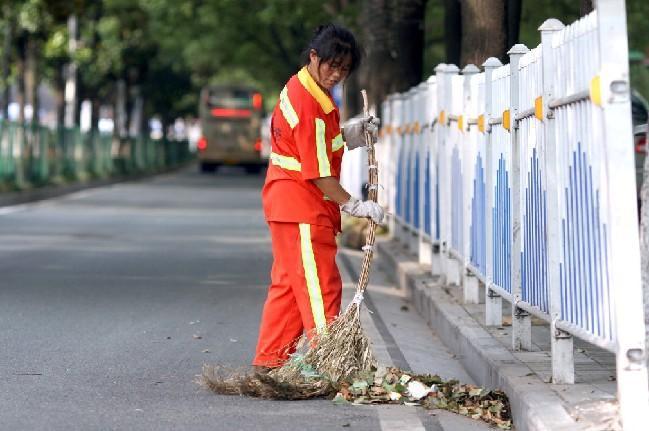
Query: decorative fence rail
520 179
36 155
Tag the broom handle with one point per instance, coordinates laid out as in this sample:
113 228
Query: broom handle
363 279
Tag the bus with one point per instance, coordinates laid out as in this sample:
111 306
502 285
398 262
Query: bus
231 117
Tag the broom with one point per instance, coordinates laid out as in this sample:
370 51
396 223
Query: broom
339 352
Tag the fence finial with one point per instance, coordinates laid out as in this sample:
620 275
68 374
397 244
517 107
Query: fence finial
551 24
470 69
519 48
452 69
492 63
440 68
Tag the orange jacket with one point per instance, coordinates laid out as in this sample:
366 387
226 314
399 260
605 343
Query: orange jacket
306 143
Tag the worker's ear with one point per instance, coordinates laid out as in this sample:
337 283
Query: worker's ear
313 56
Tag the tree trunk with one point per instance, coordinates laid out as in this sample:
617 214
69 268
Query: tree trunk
484 32
513 16
352 94
31 77
585 7
20 80
453 30
59 96
94 116
120 109
394 38
71 83
6 59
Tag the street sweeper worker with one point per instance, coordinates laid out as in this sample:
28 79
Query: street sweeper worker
302 196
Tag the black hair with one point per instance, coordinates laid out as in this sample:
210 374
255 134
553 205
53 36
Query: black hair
331 42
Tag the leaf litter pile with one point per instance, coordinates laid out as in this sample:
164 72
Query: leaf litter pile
300 379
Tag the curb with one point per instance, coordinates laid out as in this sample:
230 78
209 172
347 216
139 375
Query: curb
535 406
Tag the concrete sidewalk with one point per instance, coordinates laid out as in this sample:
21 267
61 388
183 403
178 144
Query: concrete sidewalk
401 338
486 353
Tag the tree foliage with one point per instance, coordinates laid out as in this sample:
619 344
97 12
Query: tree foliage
169 49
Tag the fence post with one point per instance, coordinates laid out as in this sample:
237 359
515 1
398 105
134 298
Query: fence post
438 263
413 240
398 122
425 248
493 301
470 284
405 174
451 264
521 319
389 163
624 258
561 343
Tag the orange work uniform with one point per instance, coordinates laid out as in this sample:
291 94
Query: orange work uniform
305 290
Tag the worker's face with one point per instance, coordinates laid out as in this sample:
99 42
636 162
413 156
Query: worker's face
328 74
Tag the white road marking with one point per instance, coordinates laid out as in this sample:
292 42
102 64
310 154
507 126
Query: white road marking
399 418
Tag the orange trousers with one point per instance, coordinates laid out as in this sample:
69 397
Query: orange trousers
305 290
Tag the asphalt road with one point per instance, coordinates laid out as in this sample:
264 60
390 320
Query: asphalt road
112 299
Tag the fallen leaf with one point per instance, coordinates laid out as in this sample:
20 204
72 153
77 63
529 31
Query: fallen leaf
339 399
475 392
417 390
359 387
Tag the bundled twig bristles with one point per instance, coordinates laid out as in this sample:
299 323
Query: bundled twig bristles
335 354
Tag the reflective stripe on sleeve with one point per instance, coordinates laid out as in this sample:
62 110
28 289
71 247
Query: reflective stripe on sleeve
337 143
287 109
285 162
324 169
312 280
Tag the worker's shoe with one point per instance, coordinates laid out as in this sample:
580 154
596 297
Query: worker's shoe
260 369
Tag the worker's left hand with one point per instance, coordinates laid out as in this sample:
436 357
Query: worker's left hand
369 209
355 128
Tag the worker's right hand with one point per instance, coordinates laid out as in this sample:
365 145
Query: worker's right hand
369 209
354 131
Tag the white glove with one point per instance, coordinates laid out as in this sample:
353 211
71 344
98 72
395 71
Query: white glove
354 131
357 208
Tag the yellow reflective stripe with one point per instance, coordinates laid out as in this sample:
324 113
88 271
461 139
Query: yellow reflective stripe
337 143
286 162
312 87
312 280
287 109
321 149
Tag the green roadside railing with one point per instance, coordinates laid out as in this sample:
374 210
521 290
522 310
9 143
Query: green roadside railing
32 155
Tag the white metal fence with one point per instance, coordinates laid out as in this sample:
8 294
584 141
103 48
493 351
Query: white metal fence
520 180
